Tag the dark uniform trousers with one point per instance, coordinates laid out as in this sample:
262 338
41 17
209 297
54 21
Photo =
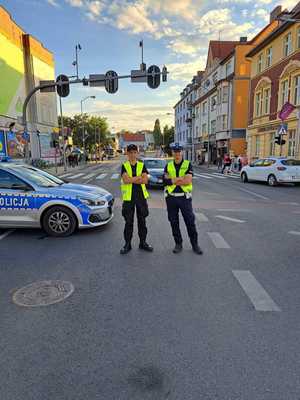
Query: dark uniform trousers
174 204
142 213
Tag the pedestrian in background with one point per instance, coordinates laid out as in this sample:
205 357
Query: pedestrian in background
134 177
226 163
178 177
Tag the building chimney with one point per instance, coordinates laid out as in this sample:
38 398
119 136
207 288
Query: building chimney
243 39
274 14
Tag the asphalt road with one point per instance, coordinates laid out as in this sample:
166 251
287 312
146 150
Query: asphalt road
223 326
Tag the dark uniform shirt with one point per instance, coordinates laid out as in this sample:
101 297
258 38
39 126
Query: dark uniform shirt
168 182
137 191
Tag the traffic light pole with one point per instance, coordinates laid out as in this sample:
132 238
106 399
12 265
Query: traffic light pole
63 136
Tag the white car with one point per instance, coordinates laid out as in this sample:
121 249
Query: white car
272 170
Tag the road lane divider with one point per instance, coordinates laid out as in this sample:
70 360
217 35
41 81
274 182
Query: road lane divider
258 296
218 240
5 234
239 221
260 196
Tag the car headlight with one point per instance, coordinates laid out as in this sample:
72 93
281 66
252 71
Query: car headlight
92 203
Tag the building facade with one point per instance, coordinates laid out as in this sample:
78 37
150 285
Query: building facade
23 63
275 80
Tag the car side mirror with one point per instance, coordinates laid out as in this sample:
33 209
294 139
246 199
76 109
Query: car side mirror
251 165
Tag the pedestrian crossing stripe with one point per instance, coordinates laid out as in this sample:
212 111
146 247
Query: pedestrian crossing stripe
102 176
203 176
88 176
115 176
76 176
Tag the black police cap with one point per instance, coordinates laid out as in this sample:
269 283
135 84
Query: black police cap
176 147
132 147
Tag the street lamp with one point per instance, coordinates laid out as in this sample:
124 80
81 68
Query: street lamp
83 134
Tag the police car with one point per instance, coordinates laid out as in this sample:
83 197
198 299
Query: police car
30 197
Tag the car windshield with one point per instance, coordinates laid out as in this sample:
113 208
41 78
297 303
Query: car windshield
152 164
291 163
38 177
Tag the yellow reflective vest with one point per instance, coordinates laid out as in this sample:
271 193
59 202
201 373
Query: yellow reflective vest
126 188
182 172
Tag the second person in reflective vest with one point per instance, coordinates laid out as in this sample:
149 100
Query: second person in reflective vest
178 191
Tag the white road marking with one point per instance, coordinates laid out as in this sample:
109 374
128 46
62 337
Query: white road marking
234 209
115 176
230 219
260 196
218 176
218 240
88 176
76 176
296 212
201 217
289 203
234 176
203 176
256 293
102 176
294 233
6 234
64 175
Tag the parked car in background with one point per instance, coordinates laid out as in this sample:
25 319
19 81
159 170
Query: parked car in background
155 167
272 170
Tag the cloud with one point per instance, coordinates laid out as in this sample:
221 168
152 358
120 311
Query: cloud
133 17
184 72
75 3
127 116
53 3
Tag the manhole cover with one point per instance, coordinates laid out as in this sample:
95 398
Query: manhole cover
43 293
149 383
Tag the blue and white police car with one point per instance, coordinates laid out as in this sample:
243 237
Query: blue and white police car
30 197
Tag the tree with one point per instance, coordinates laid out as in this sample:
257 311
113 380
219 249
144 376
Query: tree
157 134
92 125
169 134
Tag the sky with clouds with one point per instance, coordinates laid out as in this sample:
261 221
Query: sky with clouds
175 33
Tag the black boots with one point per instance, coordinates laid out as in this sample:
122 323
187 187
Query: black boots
145 246
178 248
197 249
126 249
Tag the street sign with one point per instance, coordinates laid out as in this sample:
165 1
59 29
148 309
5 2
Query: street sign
111 83
286 110
153 78
97 80
63 90
282 129
25 136
47 89
138 76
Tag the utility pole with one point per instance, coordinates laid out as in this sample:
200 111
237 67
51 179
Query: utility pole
63 136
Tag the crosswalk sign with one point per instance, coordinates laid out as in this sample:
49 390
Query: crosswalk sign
282 130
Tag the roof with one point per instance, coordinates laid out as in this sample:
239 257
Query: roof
133 137
221 49
277 32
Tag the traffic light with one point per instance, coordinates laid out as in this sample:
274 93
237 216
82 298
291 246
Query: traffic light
111 85
64 89
153 78
164 74
279 140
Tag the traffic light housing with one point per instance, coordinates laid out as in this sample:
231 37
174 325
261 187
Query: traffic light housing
153 78
279 140
164 74
111 85
64 89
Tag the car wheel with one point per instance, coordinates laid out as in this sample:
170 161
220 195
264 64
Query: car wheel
244 177
272 181
59 221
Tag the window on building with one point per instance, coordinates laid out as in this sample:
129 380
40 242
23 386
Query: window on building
257 145
297 90
298 38
258 104
267 93
269 57
215 78
197 131
284 91
214 103
219 93
292 143
213 127
272 144
287 44
204 108
260 63
224 122
225 94
204 129
228 68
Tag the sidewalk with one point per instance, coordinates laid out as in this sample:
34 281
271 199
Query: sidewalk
61 171
212 168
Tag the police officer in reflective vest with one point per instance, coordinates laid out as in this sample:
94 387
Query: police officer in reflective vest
178 191
134 177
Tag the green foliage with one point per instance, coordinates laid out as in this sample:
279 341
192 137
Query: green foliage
168 137
92 125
